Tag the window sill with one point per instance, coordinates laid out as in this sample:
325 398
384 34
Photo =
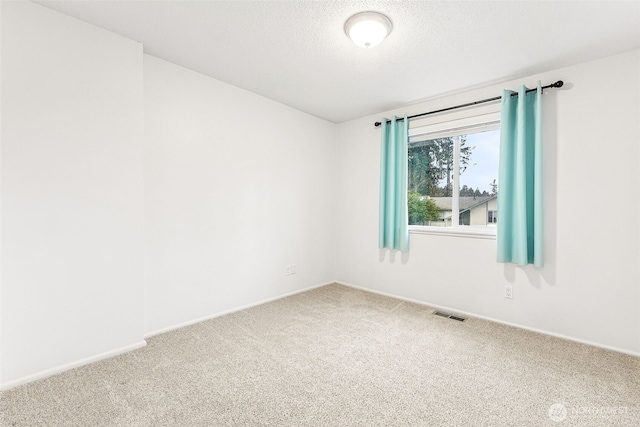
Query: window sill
474 233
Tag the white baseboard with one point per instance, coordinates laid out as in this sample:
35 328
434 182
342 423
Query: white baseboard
490 319
233 310
58 369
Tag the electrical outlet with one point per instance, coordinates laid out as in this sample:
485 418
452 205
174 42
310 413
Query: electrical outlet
508 291
290 269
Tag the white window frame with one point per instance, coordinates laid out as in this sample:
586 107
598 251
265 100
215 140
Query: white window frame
455 128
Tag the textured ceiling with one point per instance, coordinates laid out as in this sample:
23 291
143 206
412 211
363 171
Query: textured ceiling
296 52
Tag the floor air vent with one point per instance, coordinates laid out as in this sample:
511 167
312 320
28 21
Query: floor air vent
449 316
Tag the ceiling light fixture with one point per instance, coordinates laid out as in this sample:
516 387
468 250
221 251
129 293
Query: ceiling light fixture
368 29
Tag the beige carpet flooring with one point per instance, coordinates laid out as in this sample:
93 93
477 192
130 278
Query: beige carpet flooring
335 356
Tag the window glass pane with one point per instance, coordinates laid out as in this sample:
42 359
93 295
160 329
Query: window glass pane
479 178
430 182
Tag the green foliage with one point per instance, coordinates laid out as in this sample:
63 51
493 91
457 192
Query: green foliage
431 166
421 209
494 188
466 191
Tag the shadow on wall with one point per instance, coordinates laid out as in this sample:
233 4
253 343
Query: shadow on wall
393 254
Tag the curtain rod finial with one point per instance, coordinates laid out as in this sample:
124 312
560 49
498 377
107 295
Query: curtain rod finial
559 83
377 124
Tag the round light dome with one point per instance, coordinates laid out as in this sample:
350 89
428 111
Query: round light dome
368 29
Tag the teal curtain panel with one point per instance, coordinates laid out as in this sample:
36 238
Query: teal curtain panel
519 238
394 215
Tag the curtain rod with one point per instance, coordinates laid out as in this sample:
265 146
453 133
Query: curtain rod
559 83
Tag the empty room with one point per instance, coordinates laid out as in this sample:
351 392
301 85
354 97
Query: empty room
319 213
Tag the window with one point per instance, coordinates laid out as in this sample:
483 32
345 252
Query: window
453 176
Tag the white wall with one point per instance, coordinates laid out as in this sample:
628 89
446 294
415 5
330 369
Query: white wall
0 194
589 289
108 235
71 193
236 187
